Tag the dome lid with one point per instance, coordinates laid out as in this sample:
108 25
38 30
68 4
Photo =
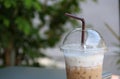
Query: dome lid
92 41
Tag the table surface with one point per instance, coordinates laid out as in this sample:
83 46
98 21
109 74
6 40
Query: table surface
33 73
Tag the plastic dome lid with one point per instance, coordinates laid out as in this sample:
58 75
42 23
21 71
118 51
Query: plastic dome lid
93 41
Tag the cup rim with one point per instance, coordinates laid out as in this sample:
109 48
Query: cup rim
102 50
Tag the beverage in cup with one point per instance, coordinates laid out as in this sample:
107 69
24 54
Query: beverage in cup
83 54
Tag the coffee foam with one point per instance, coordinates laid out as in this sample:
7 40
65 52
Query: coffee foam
75 55
84 61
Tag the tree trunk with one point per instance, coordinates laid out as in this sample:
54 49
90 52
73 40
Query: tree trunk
7 55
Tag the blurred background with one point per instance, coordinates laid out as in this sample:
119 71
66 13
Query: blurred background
31 31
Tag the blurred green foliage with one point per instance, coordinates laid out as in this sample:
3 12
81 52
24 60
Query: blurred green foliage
20 37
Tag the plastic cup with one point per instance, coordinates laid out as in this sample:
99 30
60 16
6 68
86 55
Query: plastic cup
83 62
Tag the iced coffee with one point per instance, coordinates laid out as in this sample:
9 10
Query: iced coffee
84 62
84 66
84 52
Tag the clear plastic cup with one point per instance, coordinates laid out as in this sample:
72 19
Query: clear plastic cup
84 61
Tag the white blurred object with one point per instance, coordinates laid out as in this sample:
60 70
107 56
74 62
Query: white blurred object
115 77
47 62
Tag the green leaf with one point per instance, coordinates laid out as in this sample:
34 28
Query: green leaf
28 3
26 28
7 3
23 25
37 6
13 2
6 22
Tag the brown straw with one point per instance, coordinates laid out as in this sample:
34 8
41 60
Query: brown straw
83 26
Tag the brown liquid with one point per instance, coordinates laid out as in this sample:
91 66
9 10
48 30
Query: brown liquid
84 73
